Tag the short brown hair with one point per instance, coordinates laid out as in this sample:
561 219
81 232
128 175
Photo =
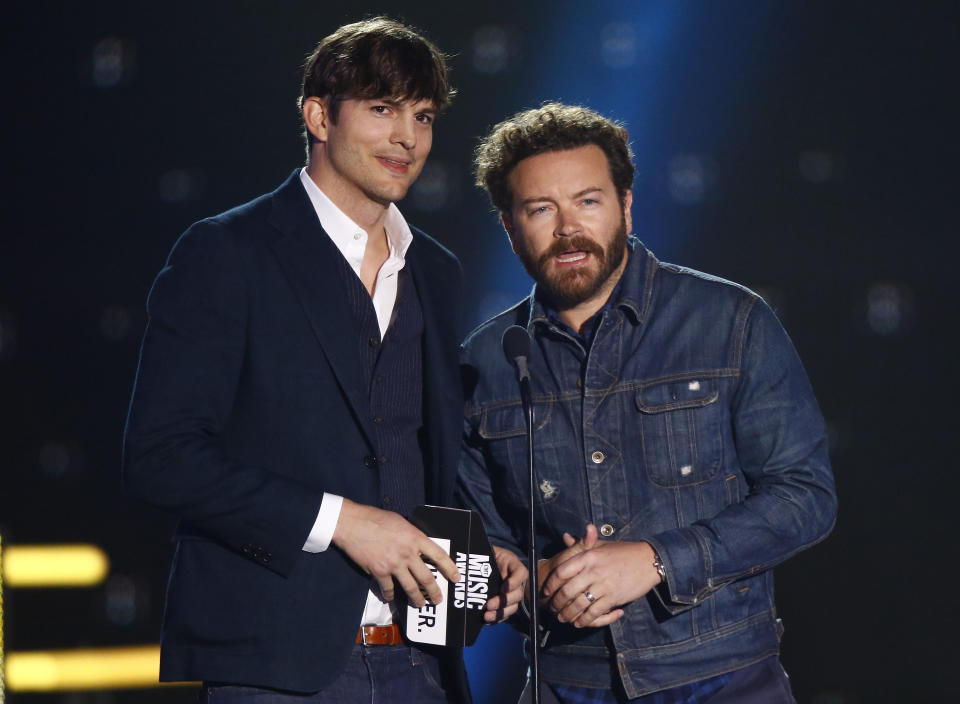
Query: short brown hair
375 58
551 127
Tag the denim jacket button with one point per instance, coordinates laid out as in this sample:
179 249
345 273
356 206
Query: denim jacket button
597 457
606 530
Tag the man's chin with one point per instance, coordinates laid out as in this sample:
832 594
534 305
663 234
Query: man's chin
568 294
387 195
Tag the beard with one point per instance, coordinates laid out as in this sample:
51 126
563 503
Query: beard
567 289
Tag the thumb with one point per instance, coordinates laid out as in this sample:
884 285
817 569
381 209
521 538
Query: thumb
592 536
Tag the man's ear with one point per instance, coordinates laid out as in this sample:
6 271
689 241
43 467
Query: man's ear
316 117
627 202
507 223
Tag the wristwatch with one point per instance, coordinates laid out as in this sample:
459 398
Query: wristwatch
658 564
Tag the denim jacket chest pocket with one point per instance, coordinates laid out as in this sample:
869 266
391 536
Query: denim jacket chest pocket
504 428
681 430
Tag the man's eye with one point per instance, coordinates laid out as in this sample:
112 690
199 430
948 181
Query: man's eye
425 119
380 109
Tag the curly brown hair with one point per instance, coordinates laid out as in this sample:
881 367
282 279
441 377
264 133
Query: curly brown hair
551 127
375 58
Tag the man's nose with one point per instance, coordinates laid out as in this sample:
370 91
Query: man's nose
569 223
404 133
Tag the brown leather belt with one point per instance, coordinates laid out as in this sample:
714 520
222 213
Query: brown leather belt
379 635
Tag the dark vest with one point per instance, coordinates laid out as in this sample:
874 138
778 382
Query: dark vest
393 371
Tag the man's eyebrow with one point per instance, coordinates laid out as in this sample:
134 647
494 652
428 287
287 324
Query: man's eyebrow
397 102
535 199
585 191
578 194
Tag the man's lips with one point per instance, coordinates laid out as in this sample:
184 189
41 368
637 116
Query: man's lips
574 252
397 166
571 256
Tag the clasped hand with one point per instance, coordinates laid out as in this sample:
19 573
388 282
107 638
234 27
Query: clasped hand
612 573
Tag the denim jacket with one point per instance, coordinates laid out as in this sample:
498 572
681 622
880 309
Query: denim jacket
688 423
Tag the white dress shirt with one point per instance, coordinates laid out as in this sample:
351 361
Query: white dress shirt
351 240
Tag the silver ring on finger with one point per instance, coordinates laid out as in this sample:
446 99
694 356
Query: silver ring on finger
590 597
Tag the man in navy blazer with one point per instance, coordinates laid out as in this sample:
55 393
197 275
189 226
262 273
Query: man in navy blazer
298 394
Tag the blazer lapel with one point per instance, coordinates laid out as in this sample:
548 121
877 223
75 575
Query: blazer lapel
308 258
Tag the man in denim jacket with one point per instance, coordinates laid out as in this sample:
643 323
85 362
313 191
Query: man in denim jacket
676 436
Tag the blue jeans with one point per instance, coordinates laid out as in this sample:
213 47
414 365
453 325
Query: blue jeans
377 674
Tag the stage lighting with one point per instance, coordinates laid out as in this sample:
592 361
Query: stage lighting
87 668
2 667
74 565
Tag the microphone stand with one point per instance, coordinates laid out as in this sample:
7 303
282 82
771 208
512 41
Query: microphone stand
526 397
516 348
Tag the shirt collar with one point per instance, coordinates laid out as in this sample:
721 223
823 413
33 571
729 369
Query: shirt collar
346 234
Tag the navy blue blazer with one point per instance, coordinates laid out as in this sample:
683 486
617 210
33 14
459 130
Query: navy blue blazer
249 404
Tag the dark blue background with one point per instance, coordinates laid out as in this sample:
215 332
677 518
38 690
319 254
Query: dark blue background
805 149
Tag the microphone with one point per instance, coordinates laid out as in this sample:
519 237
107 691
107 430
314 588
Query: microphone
516 346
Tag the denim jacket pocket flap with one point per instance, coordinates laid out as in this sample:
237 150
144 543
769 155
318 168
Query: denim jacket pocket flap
676 395
680 424
510 421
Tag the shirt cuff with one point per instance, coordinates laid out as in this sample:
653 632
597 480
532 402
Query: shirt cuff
322 532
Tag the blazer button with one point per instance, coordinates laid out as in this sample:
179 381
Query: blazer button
370 462
246 549
606 530
265 557
597 457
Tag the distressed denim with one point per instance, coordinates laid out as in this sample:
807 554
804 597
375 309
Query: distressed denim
689 423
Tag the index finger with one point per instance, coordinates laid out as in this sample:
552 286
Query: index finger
423 584
563 573
514 582
578 547
438 556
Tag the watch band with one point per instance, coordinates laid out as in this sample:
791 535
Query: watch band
658 564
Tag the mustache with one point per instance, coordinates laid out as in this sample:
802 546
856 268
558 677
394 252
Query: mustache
575 242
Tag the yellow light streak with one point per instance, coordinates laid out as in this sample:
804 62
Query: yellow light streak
1 623
86 668
65 565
